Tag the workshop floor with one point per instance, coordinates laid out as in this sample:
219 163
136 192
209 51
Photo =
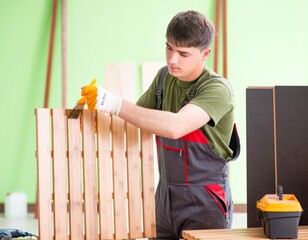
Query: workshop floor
29 224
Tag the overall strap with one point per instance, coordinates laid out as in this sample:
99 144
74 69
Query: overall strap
159 90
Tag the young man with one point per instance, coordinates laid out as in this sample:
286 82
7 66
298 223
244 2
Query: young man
195 134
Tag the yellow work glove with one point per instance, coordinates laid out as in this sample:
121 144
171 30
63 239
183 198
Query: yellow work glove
89 95
98 98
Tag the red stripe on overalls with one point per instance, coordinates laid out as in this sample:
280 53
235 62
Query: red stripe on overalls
216 189
195 136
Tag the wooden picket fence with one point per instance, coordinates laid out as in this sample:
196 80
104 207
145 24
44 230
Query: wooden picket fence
95 177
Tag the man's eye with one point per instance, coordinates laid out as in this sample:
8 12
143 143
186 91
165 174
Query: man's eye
184 54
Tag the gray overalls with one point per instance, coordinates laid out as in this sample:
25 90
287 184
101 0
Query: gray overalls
193 190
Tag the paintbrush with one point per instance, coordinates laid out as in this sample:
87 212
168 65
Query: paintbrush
75 112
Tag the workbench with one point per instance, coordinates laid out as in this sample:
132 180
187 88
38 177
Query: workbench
236 233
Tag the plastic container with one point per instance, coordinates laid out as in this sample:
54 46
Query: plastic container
15 205
279 215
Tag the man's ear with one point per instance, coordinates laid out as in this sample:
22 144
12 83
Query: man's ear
205 53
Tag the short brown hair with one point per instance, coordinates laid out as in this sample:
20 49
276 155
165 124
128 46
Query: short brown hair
190 29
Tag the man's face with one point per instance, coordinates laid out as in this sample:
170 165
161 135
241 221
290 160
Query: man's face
186 63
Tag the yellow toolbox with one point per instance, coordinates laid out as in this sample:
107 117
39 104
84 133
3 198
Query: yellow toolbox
279 214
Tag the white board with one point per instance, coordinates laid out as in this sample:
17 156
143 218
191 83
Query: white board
120 80
148 72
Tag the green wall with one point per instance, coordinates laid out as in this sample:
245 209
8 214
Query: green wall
267 45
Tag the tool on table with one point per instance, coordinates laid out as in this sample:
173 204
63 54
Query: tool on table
7 233
75 112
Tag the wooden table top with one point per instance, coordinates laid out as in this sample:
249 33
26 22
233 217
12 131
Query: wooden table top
235 233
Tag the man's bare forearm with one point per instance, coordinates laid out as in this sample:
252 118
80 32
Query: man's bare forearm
154 121
164 123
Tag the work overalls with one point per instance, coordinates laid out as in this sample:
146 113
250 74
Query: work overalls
193 190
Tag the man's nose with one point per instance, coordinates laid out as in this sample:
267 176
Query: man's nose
173 58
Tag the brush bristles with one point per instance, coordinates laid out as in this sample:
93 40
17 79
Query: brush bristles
74 113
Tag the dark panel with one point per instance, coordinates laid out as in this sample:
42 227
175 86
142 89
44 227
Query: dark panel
260 149
292 142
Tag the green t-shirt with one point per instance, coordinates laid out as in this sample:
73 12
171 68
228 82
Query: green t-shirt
214 96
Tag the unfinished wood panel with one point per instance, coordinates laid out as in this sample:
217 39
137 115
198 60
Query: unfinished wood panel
59 173
148 184
119 179
105 174
75 179
43 154
89 172
120 79
148 72
134 182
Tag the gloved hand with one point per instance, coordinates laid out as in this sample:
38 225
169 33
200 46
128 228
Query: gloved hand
85 92
89 94
98 98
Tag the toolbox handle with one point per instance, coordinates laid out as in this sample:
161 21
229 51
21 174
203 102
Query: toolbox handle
280 192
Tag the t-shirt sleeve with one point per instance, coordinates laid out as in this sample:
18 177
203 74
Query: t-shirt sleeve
215 98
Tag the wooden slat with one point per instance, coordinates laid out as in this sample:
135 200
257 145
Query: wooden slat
148 184
105 175
59 173
224 39
50 51
75 179
216 36
224 233
43 147
89 167
134 181
119 181
239 234
64 51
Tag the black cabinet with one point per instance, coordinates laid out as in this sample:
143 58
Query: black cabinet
277 146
